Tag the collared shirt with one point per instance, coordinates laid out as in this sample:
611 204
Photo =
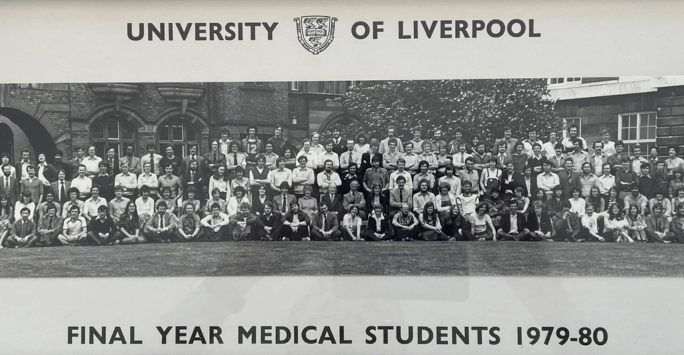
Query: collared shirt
376 176
241 159
514 223
91 164
586 183
324 180
639 201
189 222
329 156
74 227
211 221
391 158
148 180
128 181
378 222
557 162
307 174
419 201
67 206
346 158
311 158
529 147
42 208
608 148
144 206
549 149
24 173
384 146
473 177
156 159
453 181
83 184
411 161
224 145
598 163
395 175
271 160
276 177
405 220
91 206
117 207
427 176
459 159
547 182
578 158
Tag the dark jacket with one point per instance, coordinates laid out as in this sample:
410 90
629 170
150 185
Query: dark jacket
336 205
331 222
505 224
373 223
568 182
533 224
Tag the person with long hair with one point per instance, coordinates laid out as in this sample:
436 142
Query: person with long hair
665 203
166 198
444 200
191 193
618 225
519 158
578 203
234 205
215 198
291 159
260 200
539 196
432 227
362 147
490 179
241 180
637 224
539 222
613 199
26 201
481 227
595 199
221 182
658 226
376 197
378 228
295 224
130 225
6 216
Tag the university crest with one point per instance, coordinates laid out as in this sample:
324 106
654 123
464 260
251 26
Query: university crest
315 33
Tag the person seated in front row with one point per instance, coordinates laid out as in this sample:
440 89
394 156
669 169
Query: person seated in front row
75 229
481 227
539 222
514 225
243 223
215 225
455 224
295 224
351 225
658 227
130 225
188 224
269 223
161 226
378 228
590 225
568 225
23 232
405 224
49 226
432 227
102 230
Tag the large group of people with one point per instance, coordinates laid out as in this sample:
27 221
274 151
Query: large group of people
353 189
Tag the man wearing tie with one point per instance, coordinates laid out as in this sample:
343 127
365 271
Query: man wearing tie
134 164
213 159
23 232
185 163
152 158
348 157
334 201
282 202
10 185
400 196
162 226
325 225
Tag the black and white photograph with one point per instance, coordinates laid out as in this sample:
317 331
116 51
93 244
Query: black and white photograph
561 176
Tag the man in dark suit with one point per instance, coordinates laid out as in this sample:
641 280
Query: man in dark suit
61 187
657 226
134 164
526 181
194 155
269 223
213 160
21 166
325 225
334 201
400 195
9 185
503 157
23 231
508 182
509 141
539 222
569 179
513 226
282 202
193 176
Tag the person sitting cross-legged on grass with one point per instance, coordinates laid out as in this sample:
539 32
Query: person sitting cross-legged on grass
351 225
539 222
432 227
243 223
637 224
590 225
161 226
269 223
405 224
677 224
102 230
617 225
215 225
130 224
75 229
481 226
378 228
325 225
657 226
23 232
455 224
188 224
568 226
49 226
295 224
514 225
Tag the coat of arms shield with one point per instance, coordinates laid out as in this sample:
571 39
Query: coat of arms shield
315 33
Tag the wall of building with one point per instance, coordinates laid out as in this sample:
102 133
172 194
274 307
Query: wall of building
670 131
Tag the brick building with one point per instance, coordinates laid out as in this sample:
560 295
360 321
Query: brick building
47 117
644 110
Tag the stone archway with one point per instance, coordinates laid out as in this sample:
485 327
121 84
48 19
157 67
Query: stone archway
337 119
38 136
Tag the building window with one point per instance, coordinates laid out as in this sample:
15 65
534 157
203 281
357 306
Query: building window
178 135
294 85
638 128
554 81
112 133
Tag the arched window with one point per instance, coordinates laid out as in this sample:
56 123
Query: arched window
112 133
178 135
7 141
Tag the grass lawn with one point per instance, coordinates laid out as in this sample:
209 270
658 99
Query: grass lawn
346 258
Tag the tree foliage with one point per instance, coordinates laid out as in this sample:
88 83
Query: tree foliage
478 107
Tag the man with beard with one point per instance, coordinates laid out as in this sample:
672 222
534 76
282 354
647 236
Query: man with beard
9 185
339 143
279 142
60 165
134 164
171 160
384 144
194 155
269 223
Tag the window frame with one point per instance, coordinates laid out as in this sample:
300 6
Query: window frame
645 143
184 143
107 142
